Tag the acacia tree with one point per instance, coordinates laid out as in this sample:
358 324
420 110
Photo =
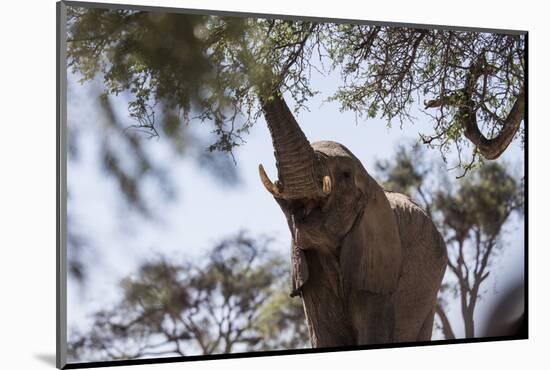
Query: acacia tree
472 218
470 214
217 67
235 301
473 80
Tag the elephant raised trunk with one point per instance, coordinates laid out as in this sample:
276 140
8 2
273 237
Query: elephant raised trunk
300 171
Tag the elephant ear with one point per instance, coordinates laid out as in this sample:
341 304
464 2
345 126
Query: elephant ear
300 272
370 254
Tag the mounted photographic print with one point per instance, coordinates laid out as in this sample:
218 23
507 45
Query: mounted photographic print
236 184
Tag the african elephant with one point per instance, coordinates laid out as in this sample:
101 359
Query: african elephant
366 263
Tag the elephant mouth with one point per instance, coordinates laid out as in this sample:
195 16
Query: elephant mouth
305 210
307 218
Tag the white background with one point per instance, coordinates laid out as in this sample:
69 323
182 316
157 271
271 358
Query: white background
27 182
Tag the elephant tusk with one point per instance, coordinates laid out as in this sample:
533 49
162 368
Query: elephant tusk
327 186
272 188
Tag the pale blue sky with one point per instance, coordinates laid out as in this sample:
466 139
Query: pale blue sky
206 211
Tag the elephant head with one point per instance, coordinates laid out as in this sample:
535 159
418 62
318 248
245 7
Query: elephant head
332 205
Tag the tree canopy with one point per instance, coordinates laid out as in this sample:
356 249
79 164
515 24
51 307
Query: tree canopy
237 299
213 68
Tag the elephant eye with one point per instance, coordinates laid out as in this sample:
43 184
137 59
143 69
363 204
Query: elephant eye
345 175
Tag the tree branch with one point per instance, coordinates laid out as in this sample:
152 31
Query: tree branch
447 328
492 148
